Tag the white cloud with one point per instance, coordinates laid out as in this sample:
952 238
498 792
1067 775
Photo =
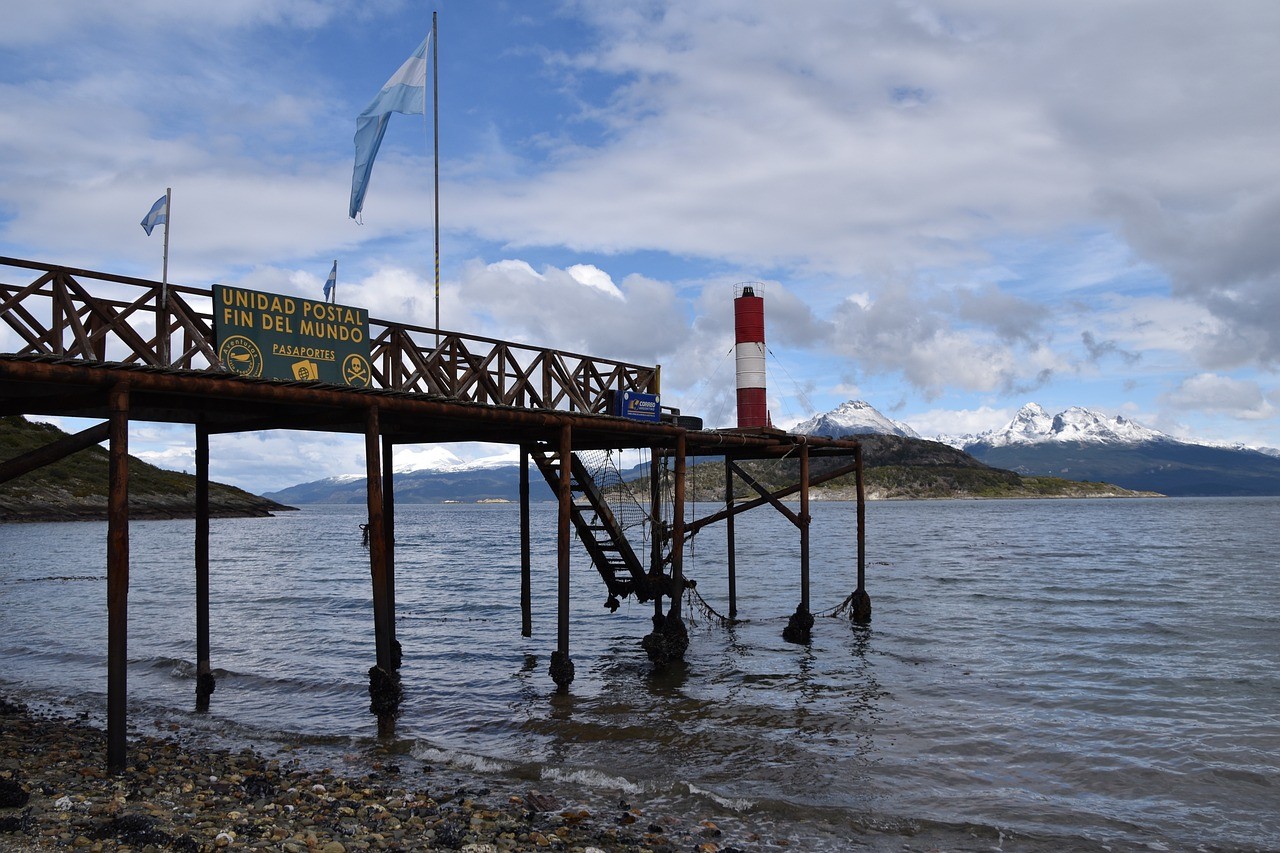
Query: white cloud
1209 392
595 277
959 421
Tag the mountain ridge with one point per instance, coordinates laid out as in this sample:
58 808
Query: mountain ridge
1084 445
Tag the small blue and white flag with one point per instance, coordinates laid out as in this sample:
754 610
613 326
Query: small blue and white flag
158 215
331 283
405 93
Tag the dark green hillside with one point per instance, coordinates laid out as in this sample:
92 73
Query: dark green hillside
76 487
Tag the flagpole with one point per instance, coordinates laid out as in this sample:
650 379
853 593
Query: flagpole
162 321
334 293
435 83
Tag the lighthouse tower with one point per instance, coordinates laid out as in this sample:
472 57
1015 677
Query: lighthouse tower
748 325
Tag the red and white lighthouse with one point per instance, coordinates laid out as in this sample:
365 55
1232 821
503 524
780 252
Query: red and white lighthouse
748 326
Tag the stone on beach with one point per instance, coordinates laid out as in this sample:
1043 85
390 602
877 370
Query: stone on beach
55 794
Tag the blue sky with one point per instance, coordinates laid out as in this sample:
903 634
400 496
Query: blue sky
956 207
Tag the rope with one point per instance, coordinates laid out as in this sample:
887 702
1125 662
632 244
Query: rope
804 398
841 609
695 601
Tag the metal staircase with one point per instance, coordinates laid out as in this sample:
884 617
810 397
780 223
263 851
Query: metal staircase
597 527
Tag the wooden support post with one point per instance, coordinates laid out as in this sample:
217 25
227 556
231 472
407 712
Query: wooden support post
561 664
670 639
377 540
384 681
804 527
117 577
861 600
677 531
655 529
204 671
389 537
526 558
731 547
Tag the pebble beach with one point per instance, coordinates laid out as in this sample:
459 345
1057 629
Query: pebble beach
56 794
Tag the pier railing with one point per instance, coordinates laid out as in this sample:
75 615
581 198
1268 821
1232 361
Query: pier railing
100 317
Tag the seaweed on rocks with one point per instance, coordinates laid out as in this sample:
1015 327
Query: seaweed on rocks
799 627
138 830
668 642
12 794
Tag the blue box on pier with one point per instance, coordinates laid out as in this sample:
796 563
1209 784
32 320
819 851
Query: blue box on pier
637 406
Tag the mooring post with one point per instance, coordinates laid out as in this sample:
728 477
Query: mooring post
384 684
731 548
861 600
389 537
561 665
117 576
204 671
526 559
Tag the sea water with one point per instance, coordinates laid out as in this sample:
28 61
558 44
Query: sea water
1038 675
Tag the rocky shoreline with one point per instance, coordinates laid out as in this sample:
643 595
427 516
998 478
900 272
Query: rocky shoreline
55 794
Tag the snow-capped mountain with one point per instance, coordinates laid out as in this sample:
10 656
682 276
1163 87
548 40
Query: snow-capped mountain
854 417
441 459
1081 444
429 475
1033 425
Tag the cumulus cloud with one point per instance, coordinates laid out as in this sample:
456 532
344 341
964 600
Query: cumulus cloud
1210 392
579 309
959 421
910 331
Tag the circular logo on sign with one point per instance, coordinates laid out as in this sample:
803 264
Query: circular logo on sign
241 356
355 370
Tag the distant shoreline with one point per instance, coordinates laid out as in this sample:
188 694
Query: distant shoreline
8 516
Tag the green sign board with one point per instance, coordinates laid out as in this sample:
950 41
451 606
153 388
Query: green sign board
283 337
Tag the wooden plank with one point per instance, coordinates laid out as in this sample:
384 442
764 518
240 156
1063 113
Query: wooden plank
54 451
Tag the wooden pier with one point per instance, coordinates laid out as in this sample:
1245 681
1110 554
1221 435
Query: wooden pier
121 349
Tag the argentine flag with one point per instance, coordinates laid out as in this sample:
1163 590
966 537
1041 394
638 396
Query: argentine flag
158 215
331 283
405 92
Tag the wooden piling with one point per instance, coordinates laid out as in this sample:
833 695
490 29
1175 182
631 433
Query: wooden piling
389 540
861 600
677 531
730 546
377 542
204 671
526 558
561 663
117 577
655 528
804 527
